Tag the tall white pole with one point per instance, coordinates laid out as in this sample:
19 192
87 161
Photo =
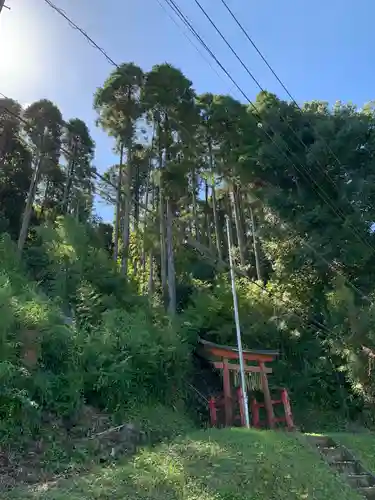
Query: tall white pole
238 330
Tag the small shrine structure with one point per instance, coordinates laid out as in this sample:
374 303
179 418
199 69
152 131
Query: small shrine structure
227 409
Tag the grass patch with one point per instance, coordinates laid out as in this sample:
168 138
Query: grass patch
361 445
234 464
93 440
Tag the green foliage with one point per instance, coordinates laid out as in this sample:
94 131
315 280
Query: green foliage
187 162
160 422
319 378
111 349
131 358
361 446
226 464
27 390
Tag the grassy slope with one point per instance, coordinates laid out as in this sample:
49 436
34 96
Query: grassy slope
362 446
211 465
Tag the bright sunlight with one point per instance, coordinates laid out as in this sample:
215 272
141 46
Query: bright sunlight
21 39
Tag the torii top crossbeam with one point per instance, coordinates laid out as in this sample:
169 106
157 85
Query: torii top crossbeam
224 358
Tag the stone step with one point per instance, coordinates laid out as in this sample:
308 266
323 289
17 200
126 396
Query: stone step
347 467
333 454
360 480
368 492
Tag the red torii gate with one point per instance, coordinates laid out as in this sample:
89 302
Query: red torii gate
226 359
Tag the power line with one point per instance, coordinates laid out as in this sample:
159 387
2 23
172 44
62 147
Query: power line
264 59
68 154
324 197
178 11
215 261
206 252
327 199
190 40
82 31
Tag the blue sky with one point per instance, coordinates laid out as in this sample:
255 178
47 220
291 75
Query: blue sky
321 50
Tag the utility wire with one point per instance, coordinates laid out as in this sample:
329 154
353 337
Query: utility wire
176 9
187 23
191 41
92 42
326 198
68 154
323 196
202 249
206 253
82 31
96 175
264 59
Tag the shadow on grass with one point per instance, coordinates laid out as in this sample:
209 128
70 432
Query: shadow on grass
211 465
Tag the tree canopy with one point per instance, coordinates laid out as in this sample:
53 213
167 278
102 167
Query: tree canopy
296 184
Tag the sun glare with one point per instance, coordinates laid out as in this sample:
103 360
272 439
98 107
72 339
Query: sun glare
20 42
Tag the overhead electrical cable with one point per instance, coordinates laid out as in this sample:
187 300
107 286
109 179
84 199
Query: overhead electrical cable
187 23
176 9
190 242
264 59
326 198
172 4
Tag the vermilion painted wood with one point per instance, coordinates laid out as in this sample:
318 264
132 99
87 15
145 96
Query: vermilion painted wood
248 368
227 394
267 397
224 353
287 418
287 409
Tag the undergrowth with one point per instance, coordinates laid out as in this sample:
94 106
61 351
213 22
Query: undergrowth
74 332
226 464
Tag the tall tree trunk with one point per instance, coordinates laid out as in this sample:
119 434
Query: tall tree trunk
69 180
45 197
241 208
151 275
170 258
163 252
30 198
151 254
239 229
227 208
216 222
148 178
214 202
136 220
127 210
77 210
256 245
118 205
143 258
207 214
194 198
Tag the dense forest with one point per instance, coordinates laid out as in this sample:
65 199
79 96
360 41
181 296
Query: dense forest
109 315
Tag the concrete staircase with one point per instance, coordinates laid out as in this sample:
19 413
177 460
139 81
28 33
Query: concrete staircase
343 462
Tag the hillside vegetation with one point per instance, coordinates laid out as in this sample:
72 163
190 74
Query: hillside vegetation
107 316
361 446
227 464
